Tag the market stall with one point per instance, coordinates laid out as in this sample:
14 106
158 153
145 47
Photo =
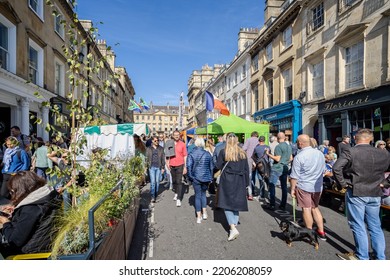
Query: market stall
232 123
118 139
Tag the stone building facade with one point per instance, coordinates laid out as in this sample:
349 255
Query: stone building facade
162 119
34 66
319 67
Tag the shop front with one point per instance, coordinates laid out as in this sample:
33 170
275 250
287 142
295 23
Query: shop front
62 120
286 117
345 115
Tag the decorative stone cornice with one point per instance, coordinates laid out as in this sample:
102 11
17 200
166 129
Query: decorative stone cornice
19 86
35 37
9 7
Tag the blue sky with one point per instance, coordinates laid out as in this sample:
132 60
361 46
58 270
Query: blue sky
160 42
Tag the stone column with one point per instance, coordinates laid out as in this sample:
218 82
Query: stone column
25 120
321 129
45 121
346 125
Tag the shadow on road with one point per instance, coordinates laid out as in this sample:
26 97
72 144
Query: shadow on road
333 238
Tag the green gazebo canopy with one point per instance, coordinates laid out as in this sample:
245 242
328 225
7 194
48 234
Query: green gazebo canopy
232 123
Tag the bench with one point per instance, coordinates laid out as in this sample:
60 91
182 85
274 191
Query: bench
383 209
333 193
342 195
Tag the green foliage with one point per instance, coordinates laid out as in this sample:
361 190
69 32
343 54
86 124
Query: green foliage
101 176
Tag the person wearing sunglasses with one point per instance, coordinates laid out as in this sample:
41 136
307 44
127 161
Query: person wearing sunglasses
380 144
155 160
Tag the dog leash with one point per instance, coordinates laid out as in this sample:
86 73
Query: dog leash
294 206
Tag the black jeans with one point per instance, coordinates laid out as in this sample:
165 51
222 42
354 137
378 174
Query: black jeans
177 175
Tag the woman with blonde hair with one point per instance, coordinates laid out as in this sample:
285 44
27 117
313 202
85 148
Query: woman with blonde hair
332 152
209 146
313 143
232 161
15 159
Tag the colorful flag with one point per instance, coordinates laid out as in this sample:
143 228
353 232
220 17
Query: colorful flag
143 104
133 106
213 102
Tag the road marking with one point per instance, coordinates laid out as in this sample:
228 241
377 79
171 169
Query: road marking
151 238
150 247
152 216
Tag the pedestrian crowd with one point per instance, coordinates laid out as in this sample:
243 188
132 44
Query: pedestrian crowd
234 172
28 194
252 170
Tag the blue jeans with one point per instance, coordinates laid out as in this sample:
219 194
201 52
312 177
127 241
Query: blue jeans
41 172
282 176
200 195
252 175
361 211
232 217
154 173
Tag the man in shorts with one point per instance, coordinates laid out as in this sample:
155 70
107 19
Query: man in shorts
306 183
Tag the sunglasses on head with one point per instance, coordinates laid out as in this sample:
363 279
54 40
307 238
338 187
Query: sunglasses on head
231 135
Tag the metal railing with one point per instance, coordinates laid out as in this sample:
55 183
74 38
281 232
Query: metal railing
93 243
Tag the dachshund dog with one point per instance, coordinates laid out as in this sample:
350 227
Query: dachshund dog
292 232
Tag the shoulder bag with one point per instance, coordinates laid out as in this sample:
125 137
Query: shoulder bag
218 178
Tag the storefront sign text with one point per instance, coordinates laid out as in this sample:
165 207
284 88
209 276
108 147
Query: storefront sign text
270 117
345 104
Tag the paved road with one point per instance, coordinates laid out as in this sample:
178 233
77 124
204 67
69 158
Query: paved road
167 232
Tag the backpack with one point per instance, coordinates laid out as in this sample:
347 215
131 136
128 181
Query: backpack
42 239
264 168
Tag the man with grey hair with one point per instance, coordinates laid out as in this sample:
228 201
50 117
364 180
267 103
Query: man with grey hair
324 147
306 183
361 170
273 142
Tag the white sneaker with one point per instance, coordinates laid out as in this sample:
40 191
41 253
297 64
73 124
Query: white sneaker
204 216
198 220
178 203
175 197
233 234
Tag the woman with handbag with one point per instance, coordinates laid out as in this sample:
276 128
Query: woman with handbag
200 171
233 163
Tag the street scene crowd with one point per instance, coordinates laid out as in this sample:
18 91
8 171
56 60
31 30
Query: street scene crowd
234 170
242 172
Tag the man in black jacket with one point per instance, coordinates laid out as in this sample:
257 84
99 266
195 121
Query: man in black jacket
344 145
361 169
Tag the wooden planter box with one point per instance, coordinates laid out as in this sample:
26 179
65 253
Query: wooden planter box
116 244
